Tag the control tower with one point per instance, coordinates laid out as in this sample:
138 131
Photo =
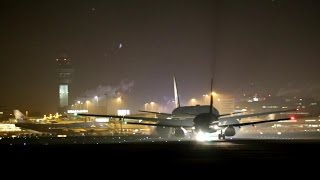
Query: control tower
65 73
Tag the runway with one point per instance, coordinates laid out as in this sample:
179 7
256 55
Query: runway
172 154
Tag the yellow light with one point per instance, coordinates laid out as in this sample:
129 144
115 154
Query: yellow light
193 101
214 93
203 136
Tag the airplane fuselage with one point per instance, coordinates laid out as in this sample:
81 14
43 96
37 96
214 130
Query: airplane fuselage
185 111
204 121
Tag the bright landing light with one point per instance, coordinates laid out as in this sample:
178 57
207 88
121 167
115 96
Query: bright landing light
202 136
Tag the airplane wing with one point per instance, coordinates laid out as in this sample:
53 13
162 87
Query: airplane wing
125 117
159 113
159 121
170 123
229 114
256 122
162 124
166 114
256 114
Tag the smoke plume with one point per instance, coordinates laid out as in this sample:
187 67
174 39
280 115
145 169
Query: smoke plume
108 90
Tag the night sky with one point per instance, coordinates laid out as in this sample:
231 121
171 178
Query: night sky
266 45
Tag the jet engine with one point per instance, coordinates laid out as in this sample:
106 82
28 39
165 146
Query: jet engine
230 131
163 132
179 133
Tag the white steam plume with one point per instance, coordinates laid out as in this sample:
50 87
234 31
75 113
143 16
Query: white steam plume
107 90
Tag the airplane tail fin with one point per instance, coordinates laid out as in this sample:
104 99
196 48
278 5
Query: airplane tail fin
211 97
19 116
176 95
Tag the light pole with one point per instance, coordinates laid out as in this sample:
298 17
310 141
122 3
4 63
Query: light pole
193 101
119 100
97 98
78 105
205 96
152 104
106 102
87 103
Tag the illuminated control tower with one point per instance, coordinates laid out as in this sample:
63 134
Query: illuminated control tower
65 74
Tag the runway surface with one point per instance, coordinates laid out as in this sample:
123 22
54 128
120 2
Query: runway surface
150 154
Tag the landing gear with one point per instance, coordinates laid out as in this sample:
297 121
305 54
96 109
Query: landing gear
221 135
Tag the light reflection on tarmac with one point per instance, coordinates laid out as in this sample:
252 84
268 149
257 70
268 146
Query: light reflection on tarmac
181 153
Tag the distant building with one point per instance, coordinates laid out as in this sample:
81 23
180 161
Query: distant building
305 120
226 105
65 73
5 113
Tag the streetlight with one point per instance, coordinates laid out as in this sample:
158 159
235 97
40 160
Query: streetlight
205 96
106 94
78 105
119 100
97 98
146 106
152 103
193 101
87 103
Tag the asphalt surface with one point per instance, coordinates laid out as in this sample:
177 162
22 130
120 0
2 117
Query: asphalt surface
152 154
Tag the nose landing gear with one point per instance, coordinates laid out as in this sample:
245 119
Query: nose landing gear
221 135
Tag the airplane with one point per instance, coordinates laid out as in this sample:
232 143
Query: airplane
19 116
203 119
53 126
